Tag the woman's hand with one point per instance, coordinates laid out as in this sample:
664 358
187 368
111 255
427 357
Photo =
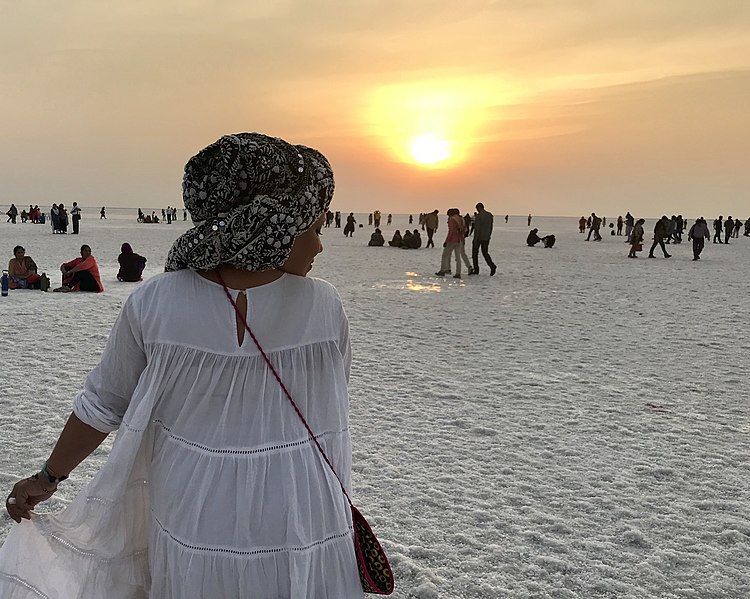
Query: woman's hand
25 496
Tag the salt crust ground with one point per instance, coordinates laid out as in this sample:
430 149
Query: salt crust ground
576 426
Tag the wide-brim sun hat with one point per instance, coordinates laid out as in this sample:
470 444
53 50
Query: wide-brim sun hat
249 196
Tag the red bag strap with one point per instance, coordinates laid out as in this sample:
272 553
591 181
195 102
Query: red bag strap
283 387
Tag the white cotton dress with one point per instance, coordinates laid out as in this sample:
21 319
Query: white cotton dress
213 488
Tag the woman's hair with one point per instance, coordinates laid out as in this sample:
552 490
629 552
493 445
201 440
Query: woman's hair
18 248
126 249
85 247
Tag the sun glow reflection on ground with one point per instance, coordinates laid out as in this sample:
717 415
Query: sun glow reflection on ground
411 285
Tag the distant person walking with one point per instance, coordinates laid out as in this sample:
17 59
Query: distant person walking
636 238
467 222
452 244
737 227
12 214
528 221
462 248
103 214
431 225
483 224
620 223
728 229
699 233
582 224
661 232
718 228
349 228
390 220
506 219
596 223
75 216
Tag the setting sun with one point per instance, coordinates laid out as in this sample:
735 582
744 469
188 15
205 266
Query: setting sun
434 124
430 150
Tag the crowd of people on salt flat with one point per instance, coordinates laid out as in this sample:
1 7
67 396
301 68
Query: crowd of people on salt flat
82 273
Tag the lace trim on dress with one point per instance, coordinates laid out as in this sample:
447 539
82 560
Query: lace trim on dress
234 354
269 449
137 483
265 551
90 554
24 584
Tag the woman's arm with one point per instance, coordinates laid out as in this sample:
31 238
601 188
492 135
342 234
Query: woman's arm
76 442
82 265
98 410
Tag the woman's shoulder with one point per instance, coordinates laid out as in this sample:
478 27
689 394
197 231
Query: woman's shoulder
161 284
312 287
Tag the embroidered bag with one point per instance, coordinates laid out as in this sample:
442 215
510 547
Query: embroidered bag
375 572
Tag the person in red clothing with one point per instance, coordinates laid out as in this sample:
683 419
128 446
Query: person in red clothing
452 244
81 274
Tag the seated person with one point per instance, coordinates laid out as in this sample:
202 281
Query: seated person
548 241
533 238
131 265
147 219
413 242
377 239
81 274
22 272
405 239
396 242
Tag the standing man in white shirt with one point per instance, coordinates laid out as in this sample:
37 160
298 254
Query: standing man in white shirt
75 215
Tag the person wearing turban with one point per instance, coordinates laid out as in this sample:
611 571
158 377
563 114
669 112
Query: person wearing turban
213 487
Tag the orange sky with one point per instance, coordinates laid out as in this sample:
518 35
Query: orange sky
552 107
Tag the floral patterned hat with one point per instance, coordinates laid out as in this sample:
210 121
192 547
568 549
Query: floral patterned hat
249 196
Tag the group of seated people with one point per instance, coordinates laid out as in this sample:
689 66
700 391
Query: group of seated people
409 241
79 274
547 241
150 218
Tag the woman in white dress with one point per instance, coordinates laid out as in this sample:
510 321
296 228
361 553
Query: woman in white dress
213 487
